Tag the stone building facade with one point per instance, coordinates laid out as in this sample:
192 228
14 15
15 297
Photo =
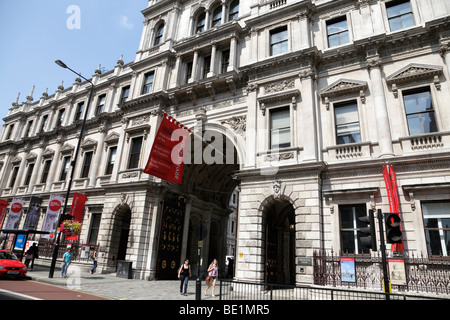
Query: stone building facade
304 102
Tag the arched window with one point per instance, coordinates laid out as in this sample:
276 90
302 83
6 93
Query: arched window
200 27
234 11
159 35
217 17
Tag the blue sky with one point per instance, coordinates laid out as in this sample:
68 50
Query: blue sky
36 33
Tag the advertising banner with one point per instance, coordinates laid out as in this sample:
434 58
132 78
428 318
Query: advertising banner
394 204
166 159
76 211
3 210
15 213
32 219
52 216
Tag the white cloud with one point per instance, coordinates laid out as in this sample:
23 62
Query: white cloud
126 23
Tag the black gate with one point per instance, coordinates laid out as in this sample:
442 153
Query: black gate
170 237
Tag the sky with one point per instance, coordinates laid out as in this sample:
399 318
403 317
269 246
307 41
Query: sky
81 33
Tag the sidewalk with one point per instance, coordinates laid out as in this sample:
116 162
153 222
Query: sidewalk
115 288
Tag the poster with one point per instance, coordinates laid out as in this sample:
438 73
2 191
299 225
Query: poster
32 218
3 210
15 213
348 271
397 272
166 159
52 216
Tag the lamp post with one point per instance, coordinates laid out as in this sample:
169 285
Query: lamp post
72 164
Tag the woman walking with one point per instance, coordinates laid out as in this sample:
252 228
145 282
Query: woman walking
213 272
94 258
183 274
66 262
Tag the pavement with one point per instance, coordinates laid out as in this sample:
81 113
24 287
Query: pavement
115 288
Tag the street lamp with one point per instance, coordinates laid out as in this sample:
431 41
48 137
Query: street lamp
73 162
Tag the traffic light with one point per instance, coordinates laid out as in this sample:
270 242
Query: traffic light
393 231
370 240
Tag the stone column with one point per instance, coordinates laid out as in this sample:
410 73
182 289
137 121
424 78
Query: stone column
374 64
54 166
307 135
233 47
93 173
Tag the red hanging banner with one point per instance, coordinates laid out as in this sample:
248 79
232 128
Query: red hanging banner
76 211
166 159
3 205
394 204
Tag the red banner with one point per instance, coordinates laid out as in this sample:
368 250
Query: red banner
166 159
3 206
394 204
76 211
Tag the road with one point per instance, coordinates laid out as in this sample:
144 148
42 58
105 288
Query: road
31 290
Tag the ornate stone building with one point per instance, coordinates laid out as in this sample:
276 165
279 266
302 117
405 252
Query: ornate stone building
309 99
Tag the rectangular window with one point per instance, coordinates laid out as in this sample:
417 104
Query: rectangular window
280 129
29 174
86 164
125 94
206 66
148 83
347 123
44 123
100 105
79 112
419 111
95 227
400 15
46 171
225 60
14 176
350 224
135 154
188 71
10 130
279 41
60 117
337 31
436 216
27 131
111 160
65 169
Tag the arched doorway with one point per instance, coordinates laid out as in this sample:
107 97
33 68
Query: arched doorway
120 232
280 243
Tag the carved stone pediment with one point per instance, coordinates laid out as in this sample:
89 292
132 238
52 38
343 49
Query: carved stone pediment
112 138
415 72
343 87
48 153
88 144
67 149
16 160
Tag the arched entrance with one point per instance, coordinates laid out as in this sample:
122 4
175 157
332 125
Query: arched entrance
120 233
280 243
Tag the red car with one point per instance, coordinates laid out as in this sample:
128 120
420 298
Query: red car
10 266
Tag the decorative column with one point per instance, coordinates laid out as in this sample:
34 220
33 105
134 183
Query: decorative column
193 77
37 166
98 156
374 64
212 67
233 47
55 163
307 135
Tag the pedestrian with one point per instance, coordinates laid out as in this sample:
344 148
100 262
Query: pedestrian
213 272
28 257
35 254
66 262
95 259
183 274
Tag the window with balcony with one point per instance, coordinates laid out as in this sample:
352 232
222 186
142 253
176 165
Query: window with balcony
280 128
278 41
400 15
419 111
337 32
347 122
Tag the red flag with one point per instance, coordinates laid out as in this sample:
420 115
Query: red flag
76 211
166 159
3 205
394 204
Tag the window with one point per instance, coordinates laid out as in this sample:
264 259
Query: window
148 83
206 66
27 131
60 117
46 171
337 32
347 123
217 17
125 94
29 174
350 224
399 14
280 129
136 145
234 11
10 130
79 112
100 104
419 111
159 35
65 169
225 60
14 176
111 160
188 71
200 27
86 164
278 41
436 216
95 227
44 123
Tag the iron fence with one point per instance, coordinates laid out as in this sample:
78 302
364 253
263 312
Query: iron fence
430 275
46 247
237 290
